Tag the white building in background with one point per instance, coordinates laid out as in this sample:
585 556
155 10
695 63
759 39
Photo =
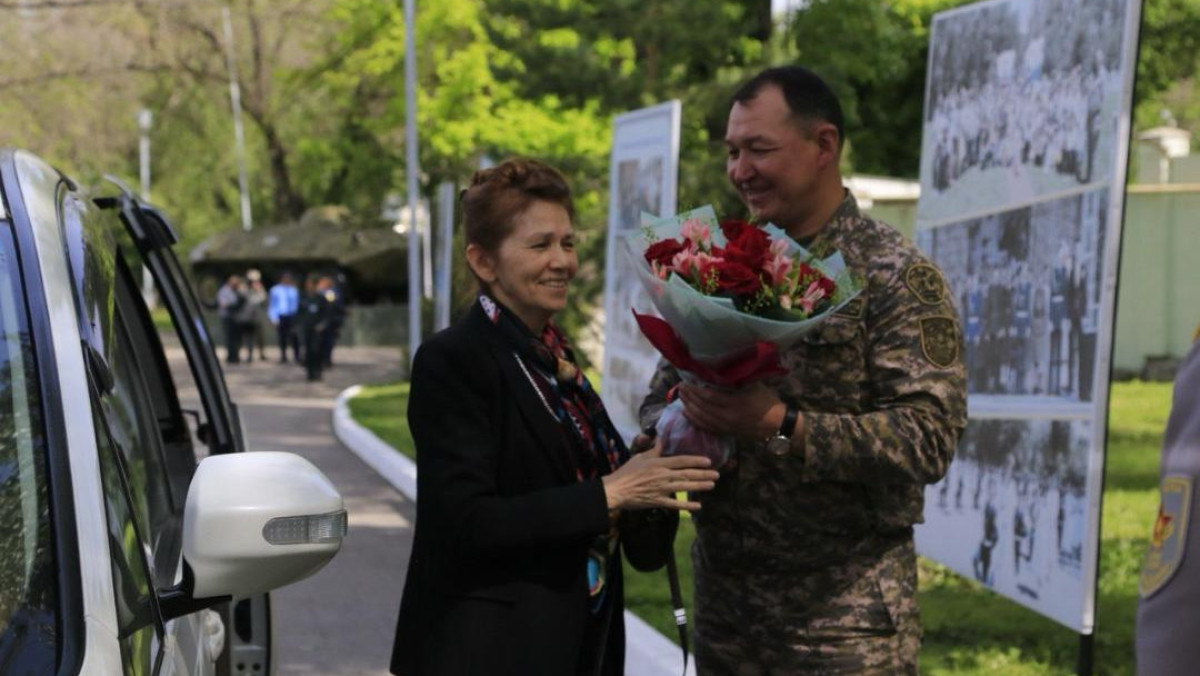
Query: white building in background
869 189
891 200
1163 155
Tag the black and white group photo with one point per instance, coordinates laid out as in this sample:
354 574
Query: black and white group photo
1016 493
1027 285
629 355
1021 103
640 191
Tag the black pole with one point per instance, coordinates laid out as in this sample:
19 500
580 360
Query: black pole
1087 653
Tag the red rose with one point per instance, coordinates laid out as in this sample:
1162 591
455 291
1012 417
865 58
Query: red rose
733 228
663 252
806 276
753 249
737 279
826 284
747 244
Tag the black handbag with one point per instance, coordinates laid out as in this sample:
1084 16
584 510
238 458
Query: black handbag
648 536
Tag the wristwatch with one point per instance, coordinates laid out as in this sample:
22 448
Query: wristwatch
781 443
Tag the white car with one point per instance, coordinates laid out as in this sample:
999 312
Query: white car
120 553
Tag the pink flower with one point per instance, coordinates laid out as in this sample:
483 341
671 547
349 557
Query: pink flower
778 247
696 232
683 262
691 265
815 294
777 268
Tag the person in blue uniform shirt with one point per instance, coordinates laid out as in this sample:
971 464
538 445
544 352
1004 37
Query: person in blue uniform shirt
284 303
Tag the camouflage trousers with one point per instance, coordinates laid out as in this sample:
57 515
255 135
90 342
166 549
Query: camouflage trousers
862 619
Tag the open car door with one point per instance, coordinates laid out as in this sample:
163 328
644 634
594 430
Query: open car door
218 427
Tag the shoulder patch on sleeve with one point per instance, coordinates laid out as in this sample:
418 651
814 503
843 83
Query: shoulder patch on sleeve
926 283
1169 537
855 308
939 340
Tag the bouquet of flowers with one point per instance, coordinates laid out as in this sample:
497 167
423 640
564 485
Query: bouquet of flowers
732 296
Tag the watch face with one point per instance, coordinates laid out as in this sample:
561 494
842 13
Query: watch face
779 445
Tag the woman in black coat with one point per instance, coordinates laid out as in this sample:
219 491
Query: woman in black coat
526 493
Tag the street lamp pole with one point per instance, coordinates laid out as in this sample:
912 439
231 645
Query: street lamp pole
239 135
145 120
411 171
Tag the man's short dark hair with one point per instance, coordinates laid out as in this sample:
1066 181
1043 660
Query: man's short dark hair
807 95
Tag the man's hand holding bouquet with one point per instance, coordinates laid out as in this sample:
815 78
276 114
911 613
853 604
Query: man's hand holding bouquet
732 297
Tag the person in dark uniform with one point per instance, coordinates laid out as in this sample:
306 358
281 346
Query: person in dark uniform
1167 620
336 300
1059 282
230 300
314 319
1022 324
991 535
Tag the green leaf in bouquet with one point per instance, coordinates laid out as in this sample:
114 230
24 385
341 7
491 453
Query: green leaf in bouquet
669 227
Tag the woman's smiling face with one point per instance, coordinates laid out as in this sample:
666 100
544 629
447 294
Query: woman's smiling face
530 272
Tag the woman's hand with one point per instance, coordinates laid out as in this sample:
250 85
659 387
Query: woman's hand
650 480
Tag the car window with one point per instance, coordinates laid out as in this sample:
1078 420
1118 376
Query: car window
138 627
85 232
153 237
169 446
28 589
171 386
133 425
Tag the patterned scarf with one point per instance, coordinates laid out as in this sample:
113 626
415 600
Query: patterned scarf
595 445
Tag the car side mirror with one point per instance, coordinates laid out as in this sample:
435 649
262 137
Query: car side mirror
258 521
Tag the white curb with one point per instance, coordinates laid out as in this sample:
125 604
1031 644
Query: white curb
647 652
392 465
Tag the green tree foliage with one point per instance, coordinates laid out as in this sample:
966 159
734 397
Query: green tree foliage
874 55
1168 63
539 78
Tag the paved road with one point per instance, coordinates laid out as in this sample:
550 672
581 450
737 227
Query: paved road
340 621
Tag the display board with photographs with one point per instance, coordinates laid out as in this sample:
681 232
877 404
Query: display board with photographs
1017 497
1022 172
1023 100
1027 285
642 179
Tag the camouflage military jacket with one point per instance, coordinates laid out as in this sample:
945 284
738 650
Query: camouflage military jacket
881 387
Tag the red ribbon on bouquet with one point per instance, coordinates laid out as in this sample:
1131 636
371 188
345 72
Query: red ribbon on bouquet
755 363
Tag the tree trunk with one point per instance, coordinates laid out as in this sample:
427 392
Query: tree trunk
289 205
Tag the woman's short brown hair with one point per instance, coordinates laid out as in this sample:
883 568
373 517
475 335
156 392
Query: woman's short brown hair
499 194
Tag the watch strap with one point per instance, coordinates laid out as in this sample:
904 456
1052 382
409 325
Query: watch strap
788 426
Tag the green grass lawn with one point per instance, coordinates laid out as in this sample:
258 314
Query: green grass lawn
383 409
968 629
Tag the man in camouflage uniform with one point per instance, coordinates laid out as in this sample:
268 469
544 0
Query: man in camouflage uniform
804 560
